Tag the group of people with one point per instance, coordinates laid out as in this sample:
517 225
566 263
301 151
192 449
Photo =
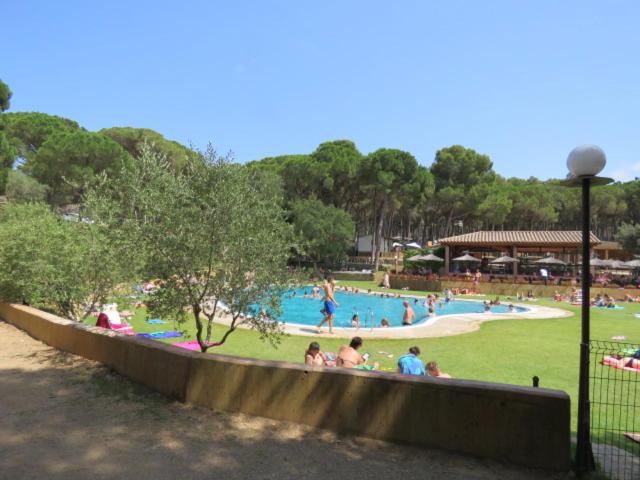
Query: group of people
330 304
600 300
494 303
349 356
605 300
410 364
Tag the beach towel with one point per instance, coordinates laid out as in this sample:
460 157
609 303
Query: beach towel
364 367
619 363
156 335
156 321
192 345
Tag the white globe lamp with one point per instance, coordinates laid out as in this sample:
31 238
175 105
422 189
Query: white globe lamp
586 161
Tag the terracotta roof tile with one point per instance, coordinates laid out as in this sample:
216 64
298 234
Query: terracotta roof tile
520 238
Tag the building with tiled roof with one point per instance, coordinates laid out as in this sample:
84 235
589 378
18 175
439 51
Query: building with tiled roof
525 245
520 238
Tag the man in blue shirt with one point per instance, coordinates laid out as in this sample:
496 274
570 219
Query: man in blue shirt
410 364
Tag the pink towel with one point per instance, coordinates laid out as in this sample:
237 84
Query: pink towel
192 345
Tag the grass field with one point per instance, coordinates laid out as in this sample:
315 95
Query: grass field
505 351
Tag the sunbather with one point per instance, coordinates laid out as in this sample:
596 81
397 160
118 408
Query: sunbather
434 371
349 357
313 355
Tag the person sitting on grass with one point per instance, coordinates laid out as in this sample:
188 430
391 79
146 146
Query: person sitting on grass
434 371
410 364
349 357
314 356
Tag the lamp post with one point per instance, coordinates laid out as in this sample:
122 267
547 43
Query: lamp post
584 163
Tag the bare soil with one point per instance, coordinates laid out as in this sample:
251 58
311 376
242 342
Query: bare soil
64 417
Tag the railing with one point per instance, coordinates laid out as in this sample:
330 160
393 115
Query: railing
615 408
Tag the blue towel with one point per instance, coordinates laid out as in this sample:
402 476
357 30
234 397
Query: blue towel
156 335
156 321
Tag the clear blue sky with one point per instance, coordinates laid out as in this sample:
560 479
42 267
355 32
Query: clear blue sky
522 81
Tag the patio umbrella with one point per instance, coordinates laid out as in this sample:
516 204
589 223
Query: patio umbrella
550 261
504 259
415 258
633 263
413 245
597 262
615 264
466 258
431 258
396 244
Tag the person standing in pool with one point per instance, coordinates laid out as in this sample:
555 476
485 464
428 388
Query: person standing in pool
330 304
409 315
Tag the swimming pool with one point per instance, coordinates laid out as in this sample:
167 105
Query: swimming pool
298 309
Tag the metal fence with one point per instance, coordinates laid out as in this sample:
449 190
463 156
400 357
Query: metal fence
615 408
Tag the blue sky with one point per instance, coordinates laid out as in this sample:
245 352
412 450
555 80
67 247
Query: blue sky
522 81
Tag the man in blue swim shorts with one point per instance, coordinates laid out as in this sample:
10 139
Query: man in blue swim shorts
330 304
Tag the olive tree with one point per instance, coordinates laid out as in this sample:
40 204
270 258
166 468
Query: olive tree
66 267
214 236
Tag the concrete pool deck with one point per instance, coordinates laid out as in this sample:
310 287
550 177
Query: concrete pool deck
438 326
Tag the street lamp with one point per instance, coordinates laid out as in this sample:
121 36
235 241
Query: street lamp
584 163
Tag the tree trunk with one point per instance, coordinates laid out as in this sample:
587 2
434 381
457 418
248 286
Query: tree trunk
379 232
196 313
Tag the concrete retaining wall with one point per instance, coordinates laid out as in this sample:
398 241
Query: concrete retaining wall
521 425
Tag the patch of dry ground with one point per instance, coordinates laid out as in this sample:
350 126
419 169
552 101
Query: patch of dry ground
64 417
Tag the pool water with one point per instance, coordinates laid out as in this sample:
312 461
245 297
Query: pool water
371 309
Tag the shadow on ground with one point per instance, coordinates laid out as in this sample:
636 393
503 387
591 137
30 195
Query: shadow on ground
62 417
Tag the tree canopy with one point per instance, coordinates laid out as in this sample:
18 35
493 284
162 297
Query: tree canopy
7 151
66 267
27 131
326 232
68 162
216 239
132 140
386 193
7 157
5 96
22 188
459 192
629 236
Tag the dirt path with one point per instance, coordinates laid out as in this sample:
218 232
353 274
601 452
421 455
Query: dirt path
63 417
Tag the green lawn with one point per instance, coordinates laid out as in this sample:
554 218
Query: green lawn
505 351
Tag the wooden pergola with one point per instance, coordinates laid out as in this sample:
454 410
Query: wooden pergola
516 243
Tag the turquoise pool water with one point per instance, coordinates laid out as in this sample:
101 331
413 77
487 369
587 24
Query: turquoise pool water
370 308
